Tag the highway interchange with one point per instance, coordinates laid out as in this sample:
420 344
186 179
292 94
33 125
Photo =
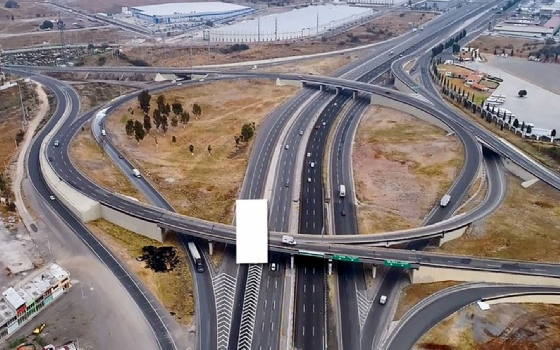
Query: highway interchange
311 215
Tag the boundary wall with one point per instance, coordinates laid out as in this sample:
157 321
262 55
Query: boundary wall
83 207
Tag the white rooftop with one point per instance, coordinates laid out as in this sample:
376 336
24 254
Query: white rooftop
6 311
13 298
58 272
188 8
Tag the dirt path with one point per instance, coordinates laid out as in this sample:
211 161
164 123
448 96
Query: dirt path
26 217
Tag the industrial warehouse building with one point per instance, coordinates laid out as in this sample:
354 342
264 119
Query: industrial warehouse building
22 302
529 28
183 12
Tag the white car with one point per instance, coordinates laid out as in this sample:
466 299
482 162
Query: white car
287 147
312 164
273 267
52 198
300 132
308 154
308 179
324 123
201 80
383 299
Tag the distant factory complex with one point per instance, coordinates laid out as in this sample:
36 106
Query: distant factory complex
173 13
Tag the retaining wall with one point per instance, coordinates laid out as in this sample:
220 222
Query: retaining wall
427 274
402 87
543 299
386 102
283 82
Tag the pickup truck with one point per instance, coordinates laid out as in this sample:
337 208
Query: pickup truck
289 240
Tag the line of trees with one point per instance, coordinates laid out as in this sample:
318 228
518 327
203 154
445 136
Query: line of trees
436 50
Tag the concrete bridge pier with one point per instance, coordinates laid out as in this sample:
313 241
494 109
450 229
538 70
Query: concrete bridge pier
374 271
354 94
210 248
292 262
338 90
329 269
321 87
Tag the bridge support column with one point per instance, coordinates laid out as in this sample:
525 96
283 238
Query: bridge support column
338 90
321 87
329 269
374 271
210 248
354 94
292 262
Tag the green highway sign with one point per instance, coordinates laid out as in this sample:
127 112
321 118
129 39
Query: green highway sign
346 258
312 253
396 263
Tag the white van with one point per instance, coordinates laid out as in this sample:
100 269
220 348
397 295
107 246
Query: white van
103 132
383 299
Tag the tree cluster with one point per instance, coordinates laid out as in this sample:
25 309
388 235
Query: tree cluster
234 48
509 4
160 259
47 25
135 62
161 116
436 50
247 132
11 4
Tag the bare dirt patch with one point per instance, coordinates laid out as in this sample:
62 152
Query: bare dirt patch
90 160
94 94
402 165
320 66
110 35
498 44
26 10
174 289
414 293
504 326
527 218
201 185
379 29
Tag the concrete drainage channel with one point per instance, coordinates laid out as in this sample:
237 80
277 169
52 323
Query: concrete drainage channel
250 301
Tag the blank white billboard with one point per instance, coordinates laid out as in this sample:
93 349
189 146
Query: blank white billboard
251 217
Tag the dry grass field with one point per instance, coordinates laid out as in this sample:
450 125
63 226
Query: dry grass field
402 166
203 184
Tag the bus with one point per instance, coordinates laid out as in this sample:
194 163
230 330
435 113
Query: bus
196 257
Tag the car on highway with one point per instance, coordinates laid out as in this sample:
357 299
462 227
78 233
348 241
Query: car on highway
343 213
273 267
312 164
52 198
201 80
383 299
287 147
56 143
308 179
121 156
317 126
300 132
287 184
308 154
324 123
179 84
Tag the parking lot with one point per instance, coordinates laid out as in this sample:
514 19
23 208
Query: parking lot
539 107
545 75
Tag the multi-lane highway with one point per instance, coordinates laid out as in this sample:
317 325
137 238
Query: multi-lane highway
311 216
68 104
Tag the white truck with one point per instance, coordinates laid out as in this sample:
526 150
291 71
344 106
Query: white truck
136 173
289 240
342 191
445 200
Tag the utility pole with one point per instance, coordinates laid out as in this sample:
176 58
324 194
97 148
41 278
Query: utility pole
317 23
258 29
275 28
61 27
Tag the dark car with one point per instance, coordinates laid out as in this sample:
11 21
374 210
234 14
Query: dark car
56 143
343 213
